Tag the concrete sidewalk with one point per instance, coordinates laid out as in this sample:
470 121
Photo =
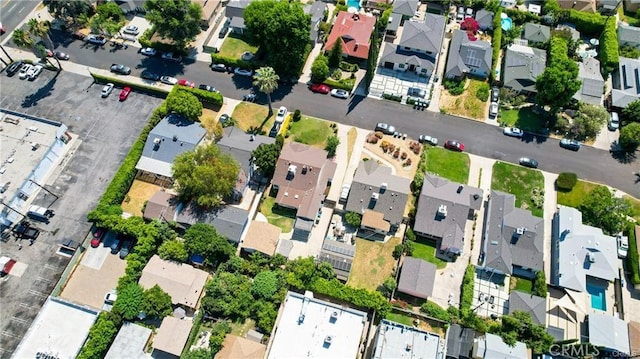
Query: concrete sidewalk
550 205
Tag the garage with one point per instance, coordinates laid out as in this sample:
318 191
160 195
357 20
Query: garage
388 65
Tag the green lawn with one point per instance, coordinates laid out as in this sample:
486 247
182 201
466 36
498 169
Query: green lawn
400 318
523 118
234 45
522 285
451 165
278 216
426 249
519 181
635 206
310 131
577 194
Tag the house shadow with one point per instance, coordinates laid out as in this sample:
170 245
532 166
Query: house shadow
354 101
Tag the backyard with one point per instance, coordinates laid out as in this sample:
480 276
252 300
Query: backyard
520 284
426 249
521 182
276 215
523 118
373 263
138 195
311 131
575 197
453 166
409 321
251 116
466 104
235 45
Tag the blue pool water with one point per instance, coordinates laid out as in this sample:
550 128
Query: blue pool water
506 24
598 301
353 3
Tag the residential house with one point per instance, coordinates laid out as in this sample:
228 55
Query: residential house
491 346
354 33
228 220
608 7
130 343
592 87
468 57
301 177
485 19
566 312
209 9
580 251
508 3
405 9
130 7
631 5
340 255
235 347
578 5
459 342
320 329
377 193
629 36
172 136
536 33
234 11
609 333
418 48
183 283
171 337
316 13
626 82
529 303
522 66
417 278
395 340
261 237
443 210
513 242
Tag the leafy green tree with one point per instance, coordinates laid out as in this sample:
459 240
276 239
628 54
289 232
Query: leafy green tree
178 20
101 335
519 327
265 313
588 121
540 285
109 19
266 80
335 54
353 219
68 10
200 353
320 69
631 113
388 286
205 175
218 332
265 285
24 39
332 145
204 240
228 295
184 103
302 272
265 157
157 303
173 250
129 301
557 85
278 26
630 137
601 209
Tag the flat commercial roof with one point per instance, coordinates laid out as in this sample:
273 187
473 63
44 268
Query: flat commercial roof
60 329
312 328
395 340
130 342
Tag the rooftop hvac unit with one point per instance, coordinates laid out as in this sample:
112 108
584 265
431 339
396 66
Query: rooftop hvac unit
328 339
442 210
520 230
383 186
292 169
304 170
175 138
591 257
334 317
156 140
460 188
375 196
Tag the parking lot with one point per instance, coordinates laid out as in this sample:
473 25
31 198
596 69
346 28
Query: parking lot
104 129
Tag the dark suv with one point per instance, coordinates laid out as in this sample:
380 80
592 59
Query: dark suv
14 68
570 144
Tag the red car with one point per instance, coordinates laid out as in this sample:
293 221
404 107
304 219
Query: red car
320 88
184 82
454 145
125 93
97 237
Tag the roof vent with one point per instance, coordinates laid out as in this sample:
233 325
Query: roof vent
328 339
520 230
156 140
375 196
291 172
334 317
295 196
175 138
252 137
442 210
460 188
383 186
304 170
476 196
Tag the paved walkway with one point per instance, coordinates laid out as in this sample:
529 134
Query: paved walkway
305 78
550 205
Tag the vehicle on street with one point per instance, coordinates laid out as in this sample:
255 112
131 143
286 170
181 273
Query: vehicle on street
614 121
495 94
219 67
454 145
528 162
282 114
24 70
106 90
78 35
96 39
115 246
416 92
97 237
493 109
61 55
148 51
320 88
124 94
148 75
14 67
207 88
385 128
513 132
34 72
340 93
623 246
168 80
170 56
131 30
6 264
570 144
428 139
242 72
126 247
183 82
120 69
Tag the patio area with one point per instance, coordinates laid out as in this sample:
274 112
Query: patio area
490 293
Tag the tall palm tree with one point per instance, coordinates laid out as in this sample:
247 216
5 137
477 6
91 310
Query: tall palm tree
41 30
266 80
22 38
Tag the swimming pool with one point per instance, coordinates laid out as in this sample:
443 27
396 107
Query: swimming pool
598 301
506 23
353 3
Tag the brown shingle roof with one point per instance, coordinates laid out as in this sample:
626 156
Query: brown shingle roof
172 335
236 347
262 237
355 31
373 219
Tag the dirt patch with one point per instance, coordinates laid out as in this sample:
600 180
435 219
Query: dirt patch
466 104
139 193
209 121
373 263
352 135
388 158
88 286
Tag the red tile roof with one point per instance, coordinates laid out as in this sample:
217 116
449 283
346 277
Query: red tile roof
355 31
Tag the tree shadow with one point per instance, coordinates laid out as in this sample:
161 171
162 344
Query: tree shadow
621 155
529 137
284 89
355 101
43 92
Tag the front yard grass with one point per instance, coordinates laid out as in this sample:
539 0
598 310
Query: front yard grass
251 116
635 207
523 118
451 165
466 104
519 181
575 197
373 263
276 215
234 45
311 131
138 195
426 249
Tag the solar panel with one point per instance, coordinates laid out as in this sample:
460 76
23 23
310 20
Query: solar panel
349 252
471 59
591 87
338 263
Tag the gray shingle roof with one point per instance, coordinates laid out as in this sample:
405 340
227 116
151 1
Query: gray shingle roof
626 82
529 303
393 53
536 32
425 36
459 342
367 182
239 145
629 35
484 19
129 342
465 54
504 248
235 8
417 277
592 87
608 331
405 7
522 66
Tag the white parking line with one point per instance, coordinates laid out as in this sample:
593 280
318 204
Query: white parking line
21 321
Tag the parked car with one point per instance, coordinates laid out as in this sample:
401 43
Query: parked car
124 94
223 32
148 51
242 72
170 56
614 121
385 128
126 247
207 88
493 109
120 69
570 144
115 246
98 234
34 72
14 67
495 94
492 299
428 139
24 70
110 297
183 82
219 67
282 114
528 162
131 30
148 75
340 93
250 97
416 92
344 194
106 90
454 145
61 55
320 88
513 132
168 80
623 246
78 35
96 39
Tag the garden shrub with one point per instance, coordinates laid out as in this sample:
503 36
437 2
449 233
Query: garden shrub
348 67
392 97
433 310
297 115
566 181
150 90
632 255
353 219
609 52
540 284
206 97
483 92
586 23
102 333
357 296
495 42
345 84
466 290
455 87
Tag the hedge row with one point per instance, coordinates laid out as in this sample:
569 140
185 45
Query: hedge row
521 17
101 335
342 84
632 256
151 90
206 97
586 23
466 290
357 296
496 40
228 61
609 55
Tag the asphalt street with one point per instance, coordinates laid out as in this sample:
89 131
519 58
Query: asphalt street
13 11
479 138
